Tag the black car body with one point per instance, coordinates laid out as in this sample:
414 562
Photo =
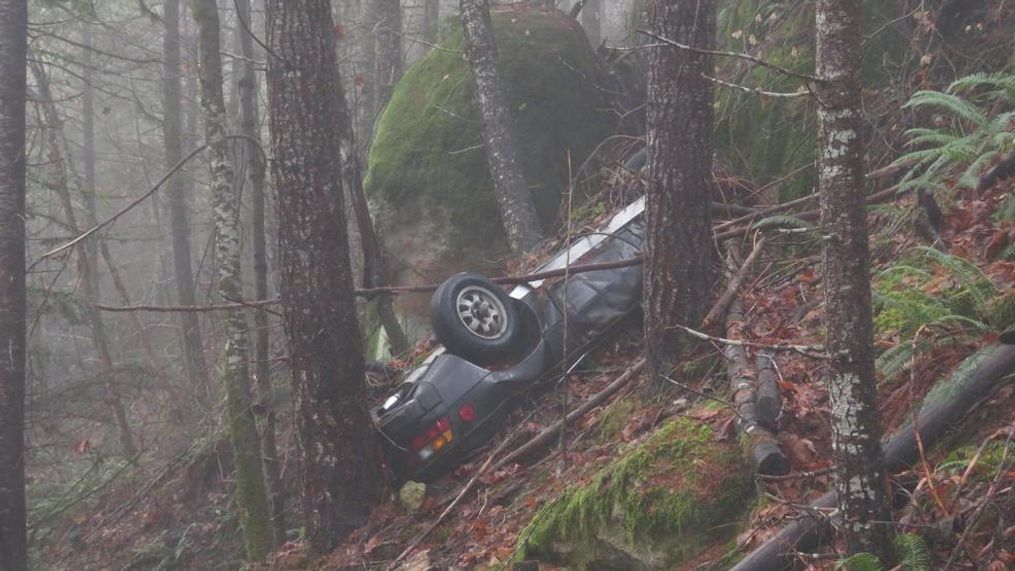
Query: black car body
450 406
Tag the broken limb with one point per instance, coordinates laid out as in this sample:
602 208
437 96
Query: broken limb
815 352
758 442
733 288
748 57
992 368
504 280
546 436
465 491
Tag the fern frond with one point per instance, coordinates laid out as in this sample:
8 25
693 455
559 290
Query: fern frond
950 103
966 272
1003 85
913 553
861 562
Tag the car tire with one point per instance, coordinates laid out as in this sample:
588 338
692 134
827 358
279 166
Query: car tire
474 319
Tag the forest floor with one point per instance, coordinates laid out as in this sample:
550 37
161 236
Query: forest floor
181 516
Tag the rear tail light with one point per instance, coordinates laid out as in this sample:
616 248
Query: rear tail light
433 440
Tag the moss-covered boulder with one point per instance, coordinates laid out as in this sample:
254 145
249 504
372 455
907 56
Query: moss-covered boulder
428 178
655 507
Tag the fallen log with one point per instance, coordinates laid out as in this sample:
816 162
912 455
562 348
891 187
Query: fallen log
973 382
757 441
769 401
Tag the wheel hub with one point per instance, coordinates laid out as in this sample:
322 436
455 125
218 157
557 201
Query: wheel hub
481 312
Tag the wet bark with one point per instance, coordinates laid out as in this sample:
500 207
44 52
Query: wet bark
846 269
252 499
246 89
592 21
193 349
384 17
340 479
431 20
514 200
13 46
58 164
679 249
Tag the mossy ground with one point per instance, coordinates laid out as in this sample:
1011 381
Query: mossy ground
428 157
657 504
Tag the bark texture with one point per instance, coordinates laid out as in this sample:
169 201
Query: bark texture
386 28
196 365
517 211
13 47
340 478
246 89
679 249
856 427
252 500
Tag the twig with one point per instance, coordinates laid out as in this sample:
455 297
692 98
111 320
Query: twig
807 350
547 434
368 292
733 288
796 475
246 29
726 404
468 487
755 90
740 55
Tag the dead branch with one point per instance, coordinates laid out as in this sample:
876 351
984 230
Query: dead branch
733 288
758 442
547 434
390 290
748 57
815 352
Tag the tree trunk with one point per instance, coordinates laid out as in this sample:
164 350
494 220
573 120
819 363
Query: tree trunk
340 479
251 497
431 20
246 88
86 271
385 21
13 57
679 248
856 430
592 21
517 211
193 348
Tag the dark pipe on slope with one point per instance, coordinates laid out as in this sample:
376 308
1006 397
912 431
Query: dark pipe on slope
994 369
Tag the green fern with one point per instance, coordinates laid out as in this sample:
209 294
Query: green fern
912 552
861 562
972 137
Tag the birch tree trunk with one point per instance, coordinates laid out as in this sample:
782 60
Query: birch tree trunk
679 248
251 497
340 479
246 89
856 431
13 47
172 94
517 211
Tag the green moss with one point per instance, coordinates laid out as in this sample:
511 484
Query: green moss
614 419
427 153
657 504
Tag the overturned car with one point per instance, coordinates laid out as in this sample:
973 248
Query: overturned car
452 404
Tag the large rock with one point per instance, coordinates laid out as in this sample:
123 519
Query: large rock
655 507
428 178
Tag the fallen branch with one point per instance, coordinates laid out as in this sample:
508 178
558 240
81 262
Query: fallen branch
547 434
721 306
468 487
748 57
807 350
368 292
936 419
758 442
